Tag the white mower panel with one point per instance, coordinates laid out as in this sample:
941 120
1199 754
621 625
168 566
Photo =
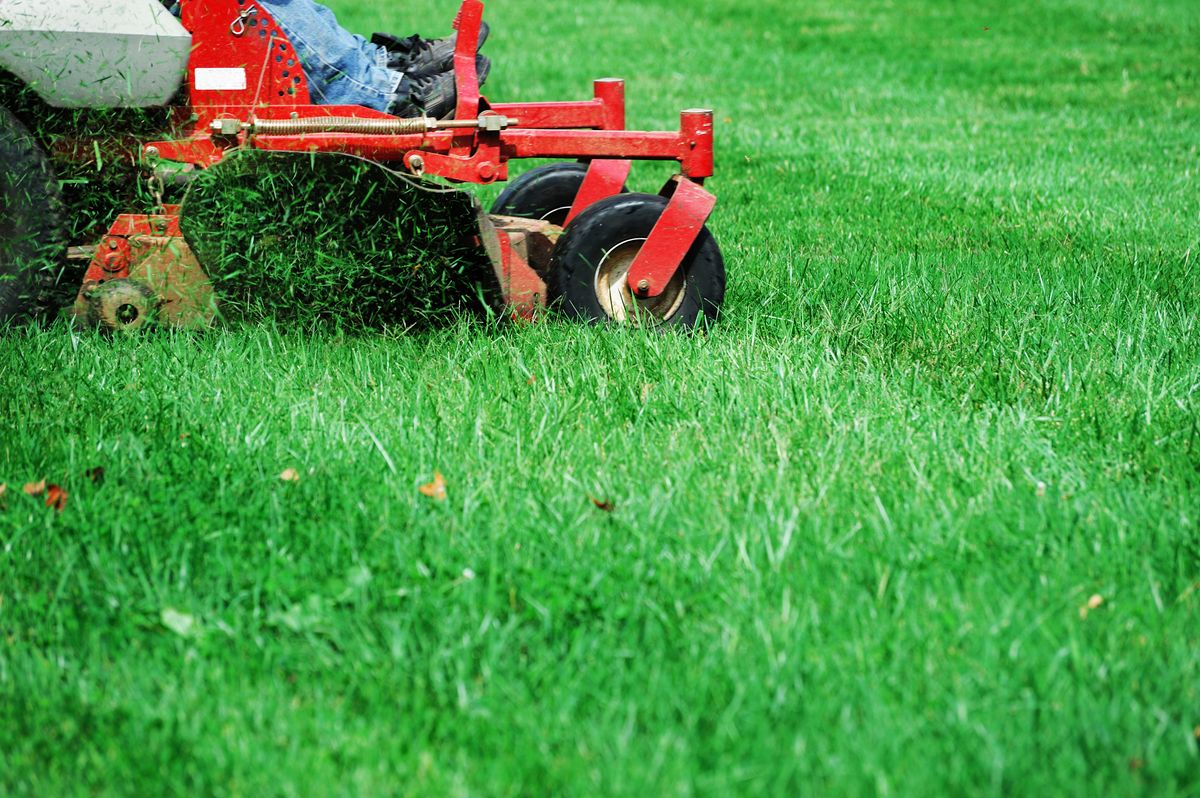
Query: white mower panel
94 53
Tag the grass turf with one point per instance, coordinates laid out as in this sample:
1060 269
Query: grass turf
390 254
856 529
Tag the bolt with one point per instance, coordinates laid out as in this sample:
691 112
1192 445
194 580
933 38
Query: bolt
487 170
112 243
643 287
417 165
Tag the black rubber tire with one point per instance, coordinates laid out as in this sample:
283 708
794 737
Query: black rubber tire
612 221
546 193
32 236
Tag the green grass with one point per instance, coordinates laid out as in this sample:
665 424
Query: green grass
953 397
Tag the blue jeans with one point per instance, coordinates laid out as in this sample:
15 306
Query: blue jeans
342 68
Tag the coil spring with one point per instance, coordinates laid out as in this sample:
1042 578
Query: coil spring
341 124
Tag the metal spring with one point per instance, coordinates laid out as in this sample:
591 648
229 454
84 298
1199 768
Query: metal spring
341 124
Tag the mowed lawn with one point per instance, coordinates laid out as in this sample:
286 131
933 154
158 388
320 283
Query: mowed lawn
919 516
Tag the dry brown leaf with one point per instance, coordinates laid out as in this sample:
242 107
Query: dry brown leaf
1093 603
290 475
606 505
1136 763
3 490
35 488
96 475
56 497
435 490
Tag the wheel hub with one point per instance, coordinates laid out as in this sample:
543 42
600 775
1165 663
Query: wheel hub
121 305
621 305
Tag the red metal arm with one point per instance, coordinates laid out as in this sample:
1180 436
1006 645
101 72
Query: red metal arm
678 228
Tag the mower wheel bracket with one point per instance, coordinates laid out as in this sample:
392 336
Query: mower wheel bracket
687 211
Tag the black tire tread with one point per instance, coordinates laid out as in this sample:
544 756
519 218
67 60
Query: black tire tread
552 185
607 223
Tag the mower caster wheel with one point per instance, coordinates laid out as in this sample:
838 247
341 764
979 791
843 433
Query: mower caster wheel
590 268
32 236
546 193
121 305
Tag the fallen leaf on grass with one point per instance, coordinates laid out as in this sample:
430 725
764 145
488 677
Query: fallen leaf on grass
606 505
3 490
178 622
96 475
290 475
35 488
56 497
1093 603
1136 763
435 490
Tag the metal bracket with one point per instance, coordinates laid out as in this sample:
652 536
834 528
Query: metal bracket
605 178
485 166
677 229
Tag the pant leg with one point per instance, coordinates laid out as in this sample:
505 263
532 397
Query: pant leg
342 68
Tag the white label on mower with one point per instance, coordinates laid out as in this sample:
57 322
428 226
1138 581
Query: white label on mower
220 79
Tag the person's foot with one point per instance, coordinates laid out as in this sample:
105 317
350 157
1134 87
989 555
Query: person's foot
417 57
434 95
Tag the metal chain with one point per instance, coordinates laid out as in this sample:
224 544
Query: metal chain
154 184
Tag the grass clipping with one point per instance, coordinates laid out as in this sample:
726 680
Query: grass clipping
334 239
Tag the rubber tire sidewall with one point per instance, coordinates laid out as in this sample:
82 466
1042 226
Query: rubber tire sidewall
622 218
545 188
31 207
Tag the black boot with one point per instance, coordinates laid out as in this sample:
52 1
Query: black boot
419 57
434 95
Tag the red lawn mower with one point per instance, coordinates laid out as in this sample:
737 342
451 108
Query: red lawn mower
566 232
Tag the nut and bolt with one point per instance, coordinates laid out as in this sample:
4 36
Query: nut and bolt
643 287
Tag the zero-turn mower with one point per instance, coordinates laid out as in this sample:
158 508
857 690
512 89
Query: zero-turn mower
229 80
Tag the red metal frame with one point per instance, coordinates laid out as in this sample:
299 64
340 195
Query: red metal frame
240 38
677 229
604 179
